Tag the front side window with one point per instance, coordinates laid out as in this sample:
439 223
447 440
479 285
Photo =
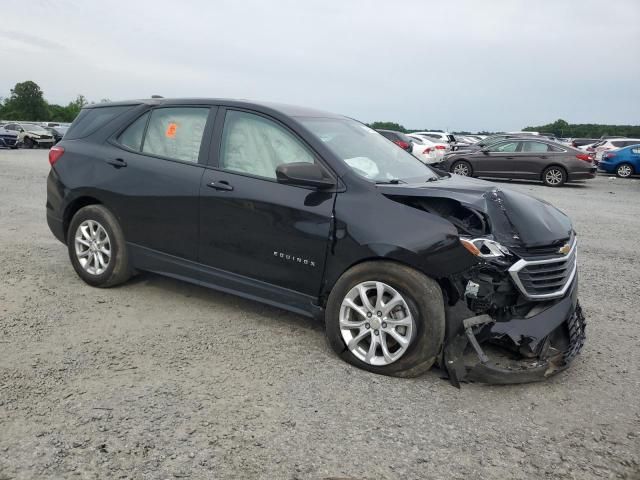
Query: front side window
366 152
176 132
535 147
255 145
505 147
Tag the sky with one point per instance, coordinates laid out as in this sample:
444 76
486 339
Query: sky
455 65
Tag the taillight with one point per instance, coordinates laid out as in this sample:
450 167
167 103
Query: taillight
55 153
609 155
426 151
583 156
402 144
441 147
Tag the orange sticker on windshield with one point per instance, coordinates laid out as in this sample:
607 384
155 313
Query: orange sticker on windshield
171 130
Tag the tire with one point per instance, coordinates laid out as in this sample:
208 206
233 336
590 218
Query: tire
114 268
624 170
424 302
554 176
463 168
28 142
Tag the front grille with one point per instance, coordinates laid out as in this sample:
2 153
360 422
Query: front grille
545 279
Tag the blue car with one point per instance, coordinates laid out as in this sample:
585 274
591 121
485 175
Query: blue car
624 162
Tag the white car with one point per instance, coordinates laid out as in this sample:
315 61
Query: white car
427 150
438 137
31 135
613 144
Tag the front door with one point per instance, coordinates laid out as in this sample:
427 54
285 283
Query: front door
269 235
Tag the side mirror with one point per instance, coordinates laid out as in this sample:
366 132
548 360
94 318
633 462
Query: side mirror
485 150
303 174
21 130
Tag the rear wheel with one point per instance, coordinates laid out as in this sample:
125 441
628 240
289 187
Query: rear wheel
97 247
624 170
462 167
554 176
386 318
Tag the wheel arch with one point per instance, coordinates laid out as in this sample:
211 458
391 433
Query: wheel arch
73 208
329 285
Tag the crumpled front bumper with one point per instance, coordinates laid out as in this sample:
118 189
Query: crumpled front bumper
521 350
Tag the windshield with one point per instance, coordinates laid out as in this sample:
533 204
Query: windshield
34 128
366 152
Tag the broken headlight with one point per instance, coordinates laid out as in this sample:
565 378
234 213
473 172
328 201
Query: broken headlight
484 247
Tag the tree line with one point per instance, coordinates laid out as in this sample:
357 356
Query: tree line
562 128
559 128
26 102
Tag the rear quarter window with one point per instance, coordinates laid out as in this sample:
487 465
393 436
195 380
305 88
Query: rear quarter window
89 120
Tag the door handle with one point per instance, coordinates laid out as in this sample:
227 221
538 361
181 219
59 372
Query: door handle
543 156
221 185
117 162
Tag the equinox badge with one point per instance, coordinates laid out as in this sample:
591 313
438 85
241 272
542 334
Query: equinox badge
566 248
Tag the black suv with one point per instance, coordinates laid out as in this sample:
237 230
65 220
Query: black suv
320 215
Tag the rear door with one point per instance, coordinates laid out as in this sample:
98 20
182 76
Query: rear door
153 176
535 157
256 233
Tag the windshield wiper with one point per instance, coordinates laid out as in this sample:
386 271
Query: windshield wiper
393 181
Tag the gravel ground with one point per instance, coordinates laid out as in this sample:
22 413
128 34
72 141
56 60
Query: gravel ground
161 379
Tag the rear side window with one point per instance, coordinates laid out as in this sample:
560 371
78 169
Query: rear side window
132 136
90 120
618 144
636 150
535 147
175 132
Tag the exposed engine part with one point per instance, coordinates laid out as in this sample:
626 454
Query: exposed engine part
467 220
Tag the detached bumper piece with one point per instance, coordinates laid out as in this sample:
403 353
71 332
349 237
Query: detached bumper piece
520 350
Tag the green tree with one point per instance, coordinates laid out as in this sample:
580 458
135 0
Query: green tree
388 126
26 102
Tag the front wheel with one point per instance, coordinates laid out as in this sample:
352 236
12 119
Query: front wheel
29 143
554 176
624 170
462 167
97 247
386 318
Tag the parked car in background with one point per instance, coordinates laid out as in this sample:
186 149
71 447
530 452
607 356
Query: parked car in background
318 214
8 138
612 144
426 150
581 142
398 138
624 162
31 135
533 158
57 132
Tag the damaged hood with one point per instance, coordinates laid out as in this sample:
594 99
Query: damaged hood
515 219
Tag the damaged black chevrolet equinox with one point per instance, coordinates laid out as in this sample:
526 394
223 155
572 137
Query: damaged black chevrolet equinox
318 214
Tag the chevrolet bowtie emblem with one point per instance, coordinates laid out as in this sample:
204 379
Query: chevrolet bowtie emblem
564 249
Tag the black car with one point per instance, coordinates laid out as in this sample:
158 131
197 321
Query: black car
398 138
526 158
318 214
8 139
57 132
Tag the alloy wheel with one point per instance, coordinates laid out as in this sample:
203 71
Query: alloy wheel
376 323
554 176
461 169
92 247
624 171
